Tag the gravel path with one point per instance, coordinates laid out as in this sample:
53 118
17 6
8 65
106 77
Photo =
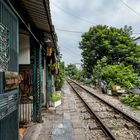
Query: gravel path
117 103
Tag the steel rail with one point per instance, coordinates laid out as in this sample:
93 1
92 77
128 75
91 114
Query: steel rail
115 108
105 129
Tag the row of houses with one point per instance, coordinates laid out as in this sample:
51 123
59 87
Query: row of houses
28 46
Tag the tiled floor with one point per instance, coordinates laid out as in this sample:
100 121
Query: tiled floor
62 123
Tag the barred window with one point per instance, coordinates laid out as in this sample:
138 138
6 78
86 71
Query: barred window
4 48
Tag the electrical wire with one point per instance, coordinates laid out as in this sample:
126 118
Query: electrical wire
72 38
138 14
70 51
63 30
136 33
67 55
83 19
77 32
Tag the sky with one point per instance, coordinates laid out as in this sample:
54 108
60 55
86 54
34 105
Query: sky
80 15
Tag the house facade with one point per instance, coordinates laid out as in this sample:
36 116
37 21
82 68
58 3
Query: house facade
28 46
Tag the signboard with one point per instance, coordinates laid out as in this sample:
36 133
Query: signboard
4 48
11 80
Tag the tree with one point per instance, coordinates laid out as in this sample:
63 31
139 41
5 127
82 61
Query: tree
114 43
120 75
97 70
73 72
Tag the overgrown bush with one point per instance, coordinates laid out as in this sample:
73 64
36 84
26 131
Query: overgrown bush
132 100
121 75
60 78
97 75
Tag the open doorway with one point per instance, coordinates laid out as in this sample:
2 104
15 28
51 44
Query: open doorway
26 94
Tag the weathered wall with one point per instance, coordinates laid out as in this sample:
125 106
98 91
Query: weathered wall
24 49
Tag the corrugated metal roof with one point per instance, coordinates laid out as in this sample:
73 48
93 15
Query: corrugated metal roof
37 13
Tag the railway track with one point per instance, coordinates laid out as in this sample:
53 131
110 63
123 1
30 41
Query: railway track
112 122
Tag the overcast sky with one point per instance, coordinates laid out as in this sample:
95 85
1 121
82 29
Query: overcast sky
79 15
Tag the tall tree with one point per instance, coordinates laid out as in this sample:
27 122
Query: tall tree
114 43
71 70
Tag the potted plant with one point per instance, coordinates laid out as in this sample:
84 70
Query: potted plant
56 99
49 51
54 68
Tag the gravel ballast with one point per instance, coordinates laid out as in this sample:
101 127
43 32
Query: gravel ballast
116 103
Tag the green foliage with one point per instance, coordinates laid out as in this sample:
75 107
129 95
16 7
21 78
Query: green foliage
60 78
55 96
97 76
132 100
114 43
73 72
87 81
120 75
